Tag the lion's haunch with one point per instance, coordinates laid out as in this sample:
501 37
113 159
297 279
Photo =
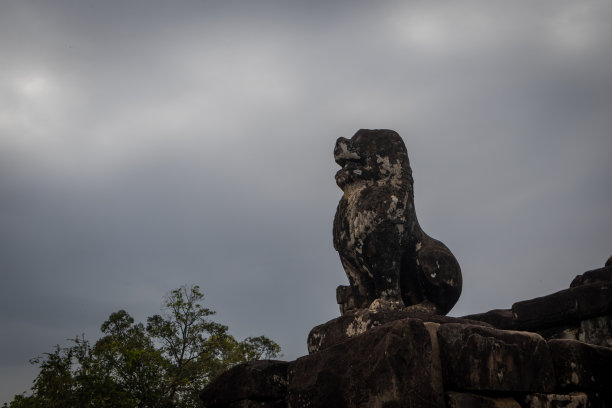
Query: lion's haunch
389 261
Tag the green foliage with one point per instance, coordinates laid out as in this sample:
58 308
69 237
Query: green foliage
162 365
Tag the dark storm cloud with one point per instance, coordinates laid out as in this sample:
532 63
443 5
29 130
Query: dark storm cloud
146 145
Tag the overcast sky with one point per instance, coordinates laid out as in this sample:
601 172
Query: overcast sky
145 145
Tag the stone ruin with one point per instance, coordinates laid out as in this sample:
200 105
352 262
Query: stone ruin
394 347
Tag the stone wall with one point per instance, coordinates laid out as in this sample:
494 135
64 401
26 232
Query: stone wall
552 351
582 312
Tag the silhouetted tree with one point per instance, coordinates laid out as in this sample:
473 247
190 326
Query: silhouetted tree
162 365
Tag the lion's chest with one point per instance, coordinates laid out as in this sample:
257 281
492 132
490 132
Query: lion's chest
361 211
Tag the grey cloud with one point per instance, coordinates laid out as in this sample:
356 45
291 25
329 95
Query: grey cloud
146 145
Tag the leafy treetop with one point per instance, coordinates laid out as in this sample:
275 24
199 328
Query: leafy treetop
163 364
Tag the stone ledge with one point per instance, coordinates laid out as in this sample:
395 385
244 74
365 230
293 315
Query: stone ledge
601 275
566 306
345 327
499 318
558 314
563 309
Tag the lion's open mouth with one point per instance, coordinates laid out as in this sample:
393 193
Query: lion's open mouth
350 171
347 156
344 152
344 161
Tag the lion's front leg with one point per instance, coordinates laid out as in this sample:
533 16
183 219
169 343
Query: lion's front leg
382 251
361 284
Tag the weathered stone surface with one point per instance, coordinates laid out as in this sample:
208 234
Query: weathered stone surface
262 380
602 275
258 404
593 300
573 400
545 311
560 332
389 261
597 331
499 318
564 307
484 359
469 400
389 366
600 399
344 327
581 366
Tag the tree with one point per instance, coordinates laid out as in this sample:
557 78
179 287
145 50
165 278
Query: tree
162 365
197 348
129 362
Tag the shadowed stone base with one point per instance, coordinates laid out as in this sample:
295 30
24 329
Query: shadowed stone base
412 363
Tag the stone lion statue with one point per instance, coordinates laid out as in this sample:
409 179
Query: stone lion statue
388 259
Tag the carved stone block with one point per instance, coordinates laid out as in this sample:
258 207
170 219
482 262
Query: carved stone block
479 358
388 366
581 366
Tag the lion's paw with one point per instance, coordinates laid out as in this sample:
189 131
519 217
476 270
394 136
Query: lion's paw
386 304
